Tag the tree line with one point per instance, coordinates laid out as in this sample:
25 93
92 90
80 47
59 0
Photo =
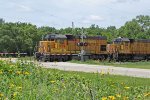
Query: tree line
23 37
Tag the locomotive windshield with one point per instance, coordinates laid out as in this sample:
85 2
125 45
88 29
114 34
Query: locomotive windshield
120 40
52 37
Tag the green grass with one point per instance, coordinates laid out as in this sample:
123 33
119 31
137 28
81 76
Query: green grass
140 64
27 81
26 58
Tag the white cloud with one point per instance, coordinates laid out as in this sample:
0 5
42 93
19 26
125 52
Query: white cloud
95 18
123 1
94 2
18 6
83 12
90 3
92 19
24 8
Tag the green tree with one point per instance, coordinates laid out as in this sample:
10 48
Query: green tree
143 21
2 21
131 29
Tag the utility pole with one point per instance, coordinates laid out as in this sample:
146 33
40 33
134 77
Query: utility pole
73 28
82 47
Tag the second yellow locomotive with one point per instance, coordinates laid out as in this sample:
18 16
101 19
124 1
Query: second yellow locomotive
129 49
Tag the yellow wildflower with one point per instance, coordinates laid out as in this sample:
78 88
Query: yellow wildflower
26 73
14 94
102 73
108 73
10 71
122 83
138 96
112 97
18 72
104 98
52 81
125 98
126 87
11 85
1 72
146 94
112 85
1 94
6 99
19 87
118 95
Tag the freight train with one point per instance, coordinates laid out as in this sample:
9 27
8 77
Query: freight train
58 47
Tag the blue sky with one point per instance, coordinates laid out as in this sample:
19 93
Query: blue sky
60 13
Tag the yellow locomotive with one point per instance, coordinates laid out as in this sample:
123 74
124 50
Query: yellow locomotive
129 49
57 47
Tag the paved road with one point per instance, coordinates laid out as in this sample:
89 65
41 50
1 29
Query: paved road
135 72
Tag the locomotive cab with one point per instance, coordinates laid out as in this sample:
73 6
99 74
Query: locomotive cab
119 45
122 45
119 49
52 43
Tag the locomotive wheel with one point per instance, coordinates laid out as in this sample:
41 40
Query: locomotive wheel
43 59
63 60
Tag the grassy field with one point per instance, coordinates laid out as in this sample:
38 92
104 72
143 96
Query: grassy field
27 81
140 64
